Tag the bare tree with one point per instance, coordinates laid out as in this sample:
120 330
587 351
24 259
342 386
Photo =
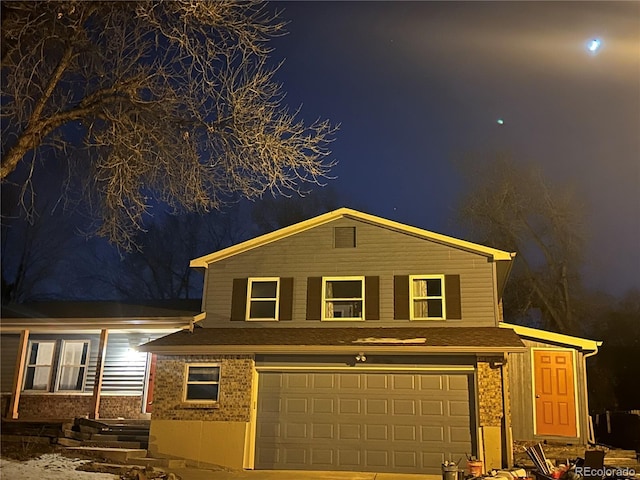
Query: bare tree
513 207
159 268
272 213
159 101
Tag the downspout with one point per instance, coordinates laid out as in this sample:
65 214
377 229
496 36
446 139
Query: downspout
591 438
506 409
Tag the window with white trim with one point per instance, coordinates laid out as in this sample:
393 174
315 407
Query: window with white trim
66 363
202 383
39 366
263 298
74 359
427 297
343 298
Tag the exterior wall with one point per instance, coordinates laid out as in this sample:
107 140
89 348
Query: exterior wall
69 406
124 379
200 443
490 403
194 431
8 354
379 252
234 403
491 411
521 395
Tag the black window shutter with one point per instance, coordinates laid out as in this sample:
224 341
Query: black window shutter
314 298
286 300
401 297
452 293
239 300
372 298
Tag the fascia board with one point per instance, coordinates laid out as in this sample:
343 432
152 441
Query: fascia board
60 325
321 349
537 334
204 261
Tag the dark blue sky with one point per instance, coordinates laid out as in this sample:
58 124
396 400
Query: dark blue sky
416 84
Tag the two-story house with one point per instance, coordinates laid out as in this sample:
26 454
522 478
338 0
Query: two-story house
351 342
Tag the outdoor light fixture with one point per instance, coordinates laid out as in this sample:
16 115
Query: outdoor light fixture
361 357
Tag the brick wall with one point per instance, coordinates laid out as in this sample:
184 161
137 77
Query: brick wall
234 400
69 406
490 391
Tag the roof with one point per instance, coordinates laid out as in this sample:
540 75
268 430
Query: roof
94 316
557 338
494 254
340 339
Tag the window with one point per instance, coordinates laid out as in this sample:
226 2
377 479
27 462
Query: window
39 366
427 297
262 298
73 365
202 383
343 298
71 358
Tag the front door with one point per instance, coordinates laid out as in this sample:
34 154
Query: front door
554 393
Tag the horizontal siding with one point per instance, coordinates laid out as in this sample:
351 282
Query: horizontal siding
380 251
125 369
8 353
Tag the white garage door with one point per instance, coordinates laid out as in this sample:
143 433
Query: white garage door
385 422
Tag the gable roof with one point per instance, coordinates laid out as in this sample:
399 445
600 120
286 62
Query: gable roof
397 340
493 253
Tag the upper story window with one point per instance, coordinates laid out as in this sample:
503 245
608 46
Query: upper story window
343 298
427 297
72 362
263 298
202 383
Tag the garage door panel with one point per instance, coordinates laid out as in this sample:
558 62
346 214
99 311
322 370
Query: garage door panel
349 406
403 407
376 406
405 459
395 422
431 433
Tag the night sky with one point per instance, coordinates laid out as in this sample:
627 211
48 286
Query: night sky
416 85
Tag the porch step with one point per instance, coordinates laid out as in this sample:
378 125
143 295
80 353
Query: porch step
114 444
157 462
121 455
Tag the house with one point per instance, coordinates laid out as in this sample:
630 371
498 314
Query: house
352 342
74 359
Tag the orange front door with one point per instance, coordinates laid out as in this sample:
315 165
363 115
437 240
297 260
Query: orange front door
554 392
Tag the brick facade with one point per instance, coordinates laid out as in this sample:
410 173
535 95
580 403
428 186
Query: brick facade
490 401
34 406
234 401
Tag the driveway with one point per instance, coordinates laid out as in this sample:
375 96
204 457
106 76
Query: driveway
202 474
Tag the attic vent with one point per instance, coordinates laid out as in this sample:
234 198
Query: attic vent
344 237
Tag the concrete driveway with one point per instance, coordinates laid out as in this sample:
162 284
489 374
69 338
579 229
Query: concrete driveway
203 474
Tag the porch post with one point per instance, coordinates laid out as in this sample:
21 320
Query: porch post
97 384
18 375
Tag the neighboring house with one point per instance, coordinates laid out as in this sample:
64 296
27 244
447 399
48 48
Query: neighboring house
351 342
74 359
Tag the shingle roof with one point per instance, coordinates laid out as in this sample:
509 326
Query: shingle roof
301 338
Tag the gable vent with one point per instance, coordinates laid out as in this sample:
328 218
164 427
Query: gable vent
344 237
